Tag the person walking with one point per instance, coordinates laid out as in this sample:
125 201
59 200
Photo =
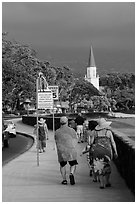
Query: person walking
85 130
101 142
79 121
91 126
72 124
42 133
66 140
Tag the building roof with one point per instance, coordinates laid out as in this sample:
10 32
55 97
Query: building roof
91 62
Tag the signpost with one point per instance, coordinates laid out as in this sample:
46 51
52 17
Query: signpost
45 96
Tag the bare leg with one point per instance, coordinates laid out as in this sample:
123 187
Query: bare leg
72 169
94 176
107 180
107 176
40 146
71 176
79 139
101 177
63 172
43 145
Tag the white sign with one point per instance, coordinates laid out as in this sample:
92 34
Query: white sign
55 91
45 99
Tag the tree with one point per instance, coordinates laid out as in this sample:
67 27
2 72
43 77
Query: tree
82 90
19 70
99 103
119 88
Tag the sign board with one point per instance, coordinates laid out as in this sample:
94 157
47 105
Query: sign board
45 99
55 91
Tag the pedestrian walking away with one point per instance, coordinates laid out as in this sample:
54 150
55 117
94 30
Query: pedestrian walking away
42 134
80 121
66 140
72 124
101 142
91 126
85 130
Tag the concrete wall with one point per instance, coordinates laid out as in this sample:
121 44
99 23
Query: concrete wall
126 158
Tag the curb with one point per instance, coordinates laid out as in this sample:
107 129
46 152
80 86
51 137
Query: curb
29 145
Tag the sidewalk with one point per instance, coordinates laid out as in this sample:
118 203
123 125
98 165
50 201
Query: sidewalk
24 181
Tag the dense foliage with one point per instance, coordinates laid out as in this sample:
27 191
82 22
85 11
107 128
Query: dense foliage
120 89
19 69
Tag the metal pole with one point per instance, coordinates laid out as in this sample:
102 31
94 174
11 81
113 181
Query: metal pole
37 138
53 120
53 125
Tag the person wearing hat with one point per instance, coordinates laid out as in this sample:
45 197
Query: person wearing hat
42 133
66 140
101 142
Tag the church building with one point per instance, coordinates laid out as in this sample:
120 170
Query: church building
91 75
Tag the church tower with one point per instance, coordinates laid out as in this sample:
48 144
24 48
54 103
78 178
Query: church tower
91 75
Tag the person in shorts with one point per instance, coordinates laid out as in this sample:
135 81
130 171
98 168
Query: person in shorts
80 121
66 140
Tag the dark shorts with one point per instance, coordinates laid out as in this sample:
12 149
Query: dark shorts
71 163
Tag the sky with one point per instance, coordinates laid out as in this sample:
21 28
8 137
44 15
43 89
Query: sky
63 32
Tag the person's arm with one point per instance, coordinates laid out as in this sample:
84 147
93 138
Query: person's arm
75 134
90 141
35 130
91 137
46 131
74 137
113 144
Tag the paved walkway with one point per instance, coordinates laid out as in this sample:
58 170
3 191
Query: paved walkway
24 181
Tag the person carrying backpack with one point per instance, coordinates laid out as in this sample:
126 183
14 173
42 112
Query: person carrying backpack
101 143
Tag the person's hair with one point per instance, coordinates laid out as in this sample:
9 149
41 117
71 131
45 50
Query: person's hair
92 124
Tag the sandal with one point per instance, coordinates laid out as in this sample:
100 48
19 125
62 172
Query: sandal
64 182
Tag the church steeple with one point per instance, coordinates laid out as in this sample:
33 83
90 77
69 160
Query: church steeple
91 75
91 61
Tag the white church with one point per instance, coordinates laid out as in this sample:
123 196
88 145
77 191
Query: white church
91 75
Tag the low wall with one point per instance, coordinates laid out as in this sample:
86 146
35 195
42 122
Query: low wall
125 146
31 119
126 158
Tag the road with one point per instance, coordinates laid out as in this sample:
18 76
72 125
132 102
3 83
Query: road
17 146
